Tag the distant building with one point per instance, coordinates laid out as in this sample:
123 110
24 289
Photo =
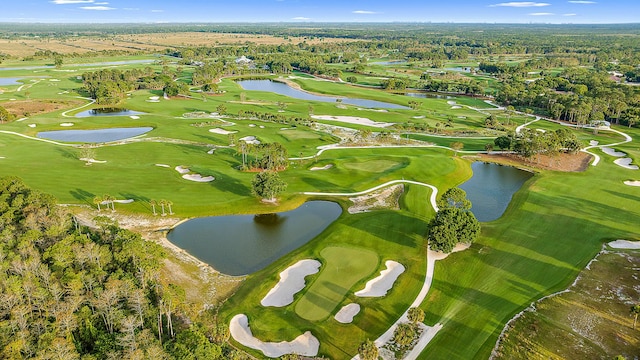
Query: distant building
243 60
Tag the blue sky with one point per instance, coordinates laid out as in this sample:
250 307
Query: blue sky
480 11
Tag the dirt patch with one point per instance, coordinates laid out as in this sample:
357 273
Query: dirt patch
26 108
386 198
577 162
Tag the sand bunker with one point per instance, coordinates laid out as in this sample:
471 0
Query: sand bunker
352 120
594 142
261 126
609 151
252 125
154 99
198 178
451 102
386 198
221 131
163 165
384 282
210 152
31 125
67 124
632 183
305 344
625 244
291 282
318 168
93 161
418 117
346 314
182 169
134 117
456 107
250 140
626 163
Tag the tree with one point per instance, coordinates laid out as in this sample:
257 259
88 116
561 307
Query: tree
221 109
456 146
415 315
57 61
503 142
368 350
451 226
87 153
635 311
488 147
97 200
454 198
267 185
5 115
169 203
153 204
162 203
109 200
405 334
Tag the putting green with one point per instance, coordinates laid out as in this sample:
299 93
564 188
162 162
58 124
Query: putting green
342 269
376 166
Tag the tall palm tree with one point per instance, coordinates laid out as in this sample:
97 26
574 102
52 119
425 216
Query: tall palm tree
169 203
97 200
635 311
153 204
163 203
109 200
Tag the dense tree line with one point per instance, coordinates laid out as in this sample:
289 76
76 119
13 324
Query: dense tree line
529 142
70 292
110 86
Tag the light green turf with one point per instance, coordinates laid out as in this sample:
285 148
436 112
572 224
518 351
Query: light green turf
342 268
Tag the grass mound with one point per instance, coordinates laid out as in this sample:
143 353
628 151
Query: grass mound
343 268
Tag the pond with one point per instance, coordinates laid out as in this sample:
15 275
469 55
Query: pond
243 244
286 90
390 62
107 112
94 136
491 187
9 81
426 95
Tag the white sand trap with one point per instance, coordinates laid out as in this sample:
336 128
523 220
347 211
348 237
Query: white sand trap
261 126
456 107
182 170
221 131
352 120
594 142
67 124
198 178
291 282
93 161
252 125
54 80
418 117
541 130
154 98
626 163
317 168
31 125
12 99
163 165
347 313
135 117
127 201
451 102
250 140
609 151
210 152
632 183
305 344
625 244
380 285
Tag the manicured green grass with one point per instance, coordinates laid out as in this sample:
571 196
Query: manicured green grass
469 144
342 268
375 166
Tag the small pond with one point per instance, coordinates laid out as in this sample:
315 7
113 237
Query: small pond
286 90
390 62
107 112
459 69
491 187
94 136
9 81
243 244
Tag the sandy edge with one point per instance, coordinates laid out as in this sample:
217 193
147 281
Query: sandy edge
317 168
632 182
380 285
305 344
626 163
625 244
352 120
291 282
347 313
221 131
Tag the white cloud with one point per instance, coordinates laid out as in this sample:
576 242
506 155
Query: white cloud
300 18
570 14
102 3
64 2
541 14
157 11
583 2
366 12
520 4
97 8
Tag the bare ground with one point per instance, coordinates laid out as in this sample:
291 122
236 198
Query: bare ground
577 162
27 108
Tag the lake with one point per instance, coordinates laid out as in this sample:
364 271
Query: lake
107 112
286 90
243 244
491 187
94 136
